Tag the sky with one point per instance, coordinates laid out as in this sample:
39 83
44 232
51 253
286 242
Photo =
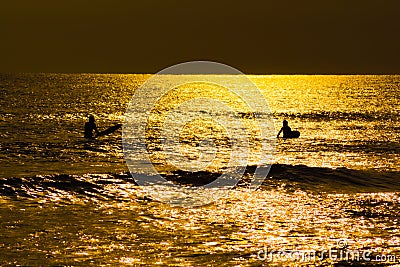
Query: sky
256 37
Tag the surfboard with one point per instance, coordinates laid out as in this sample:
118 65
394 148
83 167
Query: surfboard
293 134
110 130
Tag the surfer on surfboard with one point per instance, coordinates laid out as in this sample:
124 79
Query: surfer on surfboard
90 126
287 131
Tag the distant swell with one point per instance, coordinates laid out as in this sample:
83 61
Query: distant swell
340 180
339 115
299 177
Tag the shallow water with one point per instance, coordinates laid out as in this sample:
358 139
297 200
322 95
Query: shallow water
132 230
72 202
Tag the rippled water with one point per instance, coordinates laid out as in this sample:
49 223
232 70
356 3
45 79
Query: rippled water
72 202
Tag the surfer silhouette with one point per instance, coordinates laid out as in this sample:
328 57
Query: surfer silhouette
287 131
90 126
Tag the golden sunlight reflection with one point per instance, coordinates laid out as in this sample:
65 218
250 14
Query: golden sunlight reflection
71 201
202 128
245 222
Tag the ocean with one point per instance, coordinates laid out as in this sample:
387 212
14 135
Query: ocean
67 201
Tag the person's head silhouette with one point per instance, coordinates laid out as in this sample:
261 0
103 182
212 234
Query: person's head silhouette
91 118
285 123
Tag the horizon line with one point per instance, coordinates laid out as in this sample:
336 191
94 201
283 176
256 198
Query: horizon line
258 73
